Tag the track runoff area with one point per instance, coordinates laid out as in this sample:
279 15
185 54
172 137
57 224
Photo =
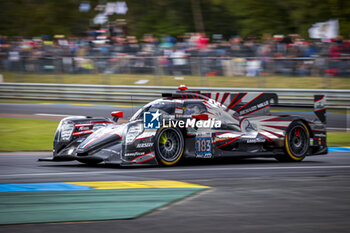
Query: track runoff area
87 201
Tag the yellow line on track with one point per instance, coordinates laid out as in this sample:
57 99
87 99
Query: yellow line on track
123 105
137 184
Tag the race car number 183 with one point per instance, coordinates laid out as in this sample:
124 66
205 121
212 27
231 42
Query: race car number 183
203 147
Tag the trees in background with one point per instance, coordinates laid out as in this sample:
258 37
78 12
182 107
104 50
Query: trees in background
175 17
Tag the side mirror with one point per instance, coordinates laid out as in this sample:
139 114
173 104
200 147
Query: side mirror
204 117
117 115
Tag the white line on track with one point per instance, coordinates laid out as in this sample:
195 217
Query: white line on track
173 170
47 114
331 128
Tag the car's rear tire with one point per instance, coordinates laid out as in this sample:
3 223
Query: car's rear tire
296 143
169 146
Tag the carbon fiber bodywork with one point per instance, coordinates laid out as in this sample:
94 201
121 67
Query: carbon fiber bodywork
247 129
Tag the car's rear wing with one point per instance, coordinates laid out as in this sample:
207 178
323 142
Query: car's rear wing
319 107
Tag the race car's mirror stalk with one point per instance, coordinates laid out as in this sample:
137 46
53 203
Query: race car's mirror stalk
203 117
198 117
117 115
182 88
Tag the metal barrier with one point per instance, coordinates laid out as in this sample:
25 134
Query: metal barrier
144 94
200 66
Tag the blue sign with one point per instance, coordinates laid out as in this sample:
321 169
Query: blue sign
84 6
203 147
151 120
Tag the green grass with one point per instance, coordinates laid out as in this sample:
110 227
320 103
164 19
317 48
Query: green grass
37 135
210 81
26 134
338 139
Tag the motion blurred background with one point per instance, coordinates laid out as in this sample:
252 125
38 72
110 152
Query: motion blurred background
222 43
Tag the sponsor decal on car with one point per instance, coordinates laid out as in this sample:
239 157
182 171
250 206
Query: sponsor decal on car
254 108
134 154
256 140
320 135
143 145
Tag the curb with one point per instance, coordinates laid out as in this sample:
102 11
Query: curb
338 149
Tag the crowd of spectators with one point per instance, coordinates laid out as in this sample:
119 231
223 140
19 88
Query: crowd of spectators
192 53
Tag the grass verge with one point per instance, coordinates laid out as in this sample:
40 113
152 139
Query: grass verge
26 134
338 139
209 81
37 135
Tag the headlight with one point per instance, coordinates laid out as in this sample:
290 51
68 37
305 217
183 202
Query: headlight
66 130
247 126
133 132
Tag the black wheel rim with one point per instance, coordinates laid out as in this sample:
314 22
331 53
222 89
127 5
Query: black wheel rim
169 145
298 141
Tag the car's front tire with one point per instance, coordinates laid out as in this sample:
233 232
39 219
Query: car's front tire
296 143
169 146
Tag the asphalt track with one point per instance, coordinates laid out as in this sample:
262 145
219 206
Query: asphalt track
66 109
251 195
335 120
